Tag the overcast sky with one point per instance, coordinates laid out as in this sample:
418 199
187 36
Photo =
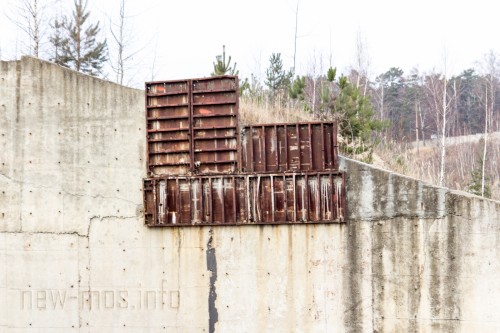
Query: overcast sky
180 39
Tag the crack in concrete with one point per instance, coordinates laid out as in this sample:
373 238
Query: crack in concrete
101 218
44 233
213 314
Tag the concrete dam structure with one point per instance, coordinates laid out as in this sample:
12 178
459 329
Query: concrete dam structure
76 256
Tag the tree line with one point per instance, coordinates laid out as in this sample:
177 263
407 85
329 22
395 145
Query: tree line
394 107
73 39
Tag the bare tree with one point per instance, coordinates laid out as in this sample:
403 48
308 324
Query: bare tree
485 144
123 38
491 69
28 16
295 40
362 62
439 102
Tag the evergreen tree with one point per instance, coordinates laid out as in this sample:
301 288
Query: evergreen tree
355 115
475 184
297 88
330 75
58 39
75 42
221 67
277 79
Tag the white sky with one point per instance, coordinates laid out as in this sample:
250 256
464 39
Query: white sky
181 38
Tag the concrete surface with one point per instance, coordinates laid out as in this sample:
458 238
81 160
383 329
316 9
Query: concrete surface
76 257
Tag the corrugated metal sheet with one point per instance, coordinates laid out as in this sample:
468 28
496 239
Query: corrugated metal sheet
245 199
192 126
308 146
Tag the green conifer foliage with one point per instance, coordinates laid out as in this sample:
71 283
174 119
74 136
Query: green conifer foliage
75 42
221 67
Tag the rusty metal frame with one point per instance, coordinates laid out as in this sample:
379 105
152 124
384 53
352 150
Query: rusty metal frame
287 175
155 168
258 204
315 155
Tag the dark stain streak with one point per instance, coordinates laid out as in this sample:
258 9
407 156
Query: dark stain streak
213 314
18 90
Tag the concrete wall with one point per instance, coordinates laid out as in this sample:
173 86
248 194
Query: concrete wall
76 257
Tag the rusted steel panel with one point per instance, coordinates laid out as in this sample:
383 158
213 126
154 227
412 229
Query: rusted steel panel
290 147
215 125
168 127
245 199
193 126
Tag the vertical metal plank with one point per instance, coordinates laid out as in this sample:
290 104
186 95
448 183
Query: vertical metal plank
223 200
179 205
286 197
334 151
165 217
211 206
308 195
257 201
251 150
145 201
294 199
298 142
234 200
320 217
272 198
286 146
155 199
264 149
248 195
332 201
323 147
190 201
277 149
311 163
202 207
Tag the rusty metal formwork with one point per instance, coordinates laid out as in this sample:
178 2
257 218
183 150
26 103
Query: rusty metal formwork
310 146
245 199
205 170
168 118
192 126
215 139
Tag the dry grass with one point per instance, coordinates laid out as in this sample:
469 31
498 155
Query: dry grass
461 159
259 112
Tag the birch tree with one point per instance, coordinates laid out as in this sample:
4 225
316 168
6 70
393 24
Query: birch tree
440 101
121 52
491 65
28 16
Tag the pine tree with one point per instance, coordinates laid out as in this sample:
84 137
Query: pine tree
296 90
75 42
277 79
221 67
57 40
355 115
476 180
